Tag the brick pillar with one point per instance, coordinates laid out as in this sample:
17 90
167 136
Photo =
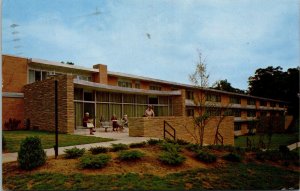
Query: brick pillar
101 76
179 104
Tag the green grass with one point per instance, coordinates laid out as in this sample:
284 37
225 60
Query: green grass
14 138
276 140
237 176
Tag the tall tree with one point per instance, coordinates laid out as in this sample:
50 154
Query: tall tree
274 83
224 85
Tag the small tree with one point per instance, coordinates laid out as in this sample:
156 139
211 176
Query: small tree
205 110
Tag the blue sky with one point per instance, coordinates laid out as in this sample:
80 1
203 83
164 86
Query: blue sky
157 38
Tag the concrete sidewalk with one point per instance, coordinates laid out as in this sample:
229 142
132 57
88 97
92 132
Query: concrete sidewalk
120 137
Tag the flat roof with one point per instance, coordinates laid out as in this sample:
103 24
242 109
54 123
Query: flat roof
124 75
97 86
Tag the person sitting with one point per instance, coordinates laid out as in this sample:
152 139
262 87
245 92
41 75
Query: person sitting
125 120
149 112
87 123
116 126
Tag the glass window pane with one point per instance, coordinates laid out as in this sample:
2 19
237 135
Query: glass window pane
78 114
78 94
31 76
37 75
129 110
102 96
127 98
115 97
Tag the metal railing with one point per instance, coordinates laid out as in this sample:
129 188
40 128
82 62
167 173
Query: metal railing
167 125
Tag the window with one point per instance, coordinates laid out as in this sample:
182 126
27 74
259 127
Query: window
137 85
155 87
233 112
237 126
281 105
235 100
190 112
262 103
272 104
85 78
213 111
125 83
251 101
189 95
37 75
213 97
263 114
251 113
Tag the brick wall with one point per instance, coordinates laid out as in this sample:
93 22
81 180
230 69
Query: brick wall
101 76
40 107
13 108
153 127
14 74
179 104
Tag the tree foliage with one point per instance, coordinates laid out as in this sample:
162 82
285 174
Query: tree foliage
274 83
224 85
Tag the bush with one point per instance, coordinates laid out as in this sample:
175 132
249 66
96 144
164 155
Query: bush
170 147
31 153
138 145
97 150
206 157
94 161
171 158
130 155
3 143
154 141
177 141
118 147
74 153
232 157
275 155
192 147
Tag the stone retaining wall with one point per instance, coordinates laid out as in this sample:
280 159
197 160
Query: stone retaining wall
153 127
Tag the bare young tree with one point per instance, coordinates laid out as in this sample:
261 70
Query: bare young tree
200 79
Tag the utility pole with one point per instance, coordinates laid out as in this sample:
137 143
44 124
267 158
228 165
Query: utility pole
56 119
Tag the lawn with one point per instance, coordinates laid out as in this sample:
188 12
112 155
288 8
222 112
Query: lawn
276 140
14 138
149 173
234 176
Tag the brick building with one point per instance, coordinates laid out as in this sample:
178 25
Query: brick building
28 93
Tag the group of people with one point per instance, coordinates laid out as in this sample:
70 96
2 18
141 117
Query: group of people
87 122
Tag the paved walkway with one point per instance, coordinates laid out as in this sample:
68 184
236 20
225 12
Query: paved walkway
120 137
294 146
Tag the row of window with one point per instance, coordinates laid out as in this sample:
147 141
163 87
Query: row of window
232 99
230 112
39 75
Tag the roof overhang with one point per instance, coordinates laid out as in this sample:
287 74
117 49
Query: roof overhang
51 64
109 88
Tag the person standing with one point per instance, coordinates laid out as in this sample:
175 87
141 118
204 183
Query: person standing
149 112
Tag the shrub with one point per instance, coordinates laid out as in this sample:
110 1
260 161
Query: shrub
233 157
12 124
31 153
206 157
138 145
97 150
192 147
74 153
171 158
130 155
94 161
3 143
154 141
275 155
177 141
119 147
284 149
170 147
